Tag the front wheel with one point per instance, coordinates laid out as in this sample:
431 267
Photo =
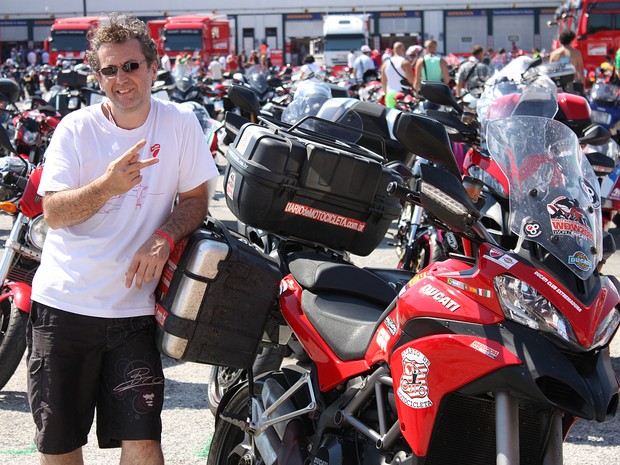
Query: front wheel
12 339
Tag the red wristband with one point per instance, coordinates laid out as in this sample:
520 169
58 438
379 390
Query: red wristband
159 232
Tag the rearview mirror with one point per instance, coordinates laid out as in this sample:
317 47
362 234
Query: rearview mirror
426 137
244 99
438 92
595 134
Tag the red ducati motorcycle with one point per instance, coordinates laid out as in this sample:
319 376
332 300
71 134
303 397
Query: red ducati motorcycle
19 181
481 359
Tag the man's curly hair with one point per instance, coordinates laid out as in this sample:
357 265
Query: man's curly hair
118 30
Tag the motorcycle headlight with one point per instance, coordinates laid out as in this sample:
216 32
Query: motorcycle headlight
38 232
29 137
525 305
607 329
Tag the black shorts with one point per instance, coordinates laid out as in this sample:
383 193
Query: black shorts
78 364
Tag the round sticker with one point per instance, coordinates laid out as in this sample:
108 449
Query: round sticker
532 229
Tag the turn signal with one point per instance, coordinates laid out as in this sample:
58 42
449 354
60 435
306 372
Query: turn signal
8 207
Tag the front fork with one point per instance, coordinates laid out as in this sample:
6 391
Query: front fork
507 433
20 292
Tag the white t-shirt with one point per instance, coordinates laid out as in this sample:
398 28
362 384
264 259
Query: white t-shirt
310 68
393 77
215 68
83 266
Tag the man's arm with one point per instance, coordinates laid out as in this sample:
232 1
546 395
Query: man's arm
149 260
74 206
418 74
406 67
384 78
579 67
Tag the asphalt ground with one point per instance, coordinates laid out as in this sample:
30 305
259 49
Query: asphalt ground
188 424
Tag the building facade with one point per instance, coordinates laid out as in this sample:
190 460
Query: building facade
288 29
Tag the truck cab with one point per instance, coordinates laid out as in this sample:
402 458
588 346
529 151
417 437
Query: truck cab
69 38
202 36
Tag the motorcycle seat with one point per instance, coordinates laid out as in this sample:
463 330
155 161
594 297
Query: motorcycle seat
342 302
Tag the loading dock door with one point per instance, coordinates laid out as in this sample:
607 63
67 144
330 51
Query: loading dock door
464 29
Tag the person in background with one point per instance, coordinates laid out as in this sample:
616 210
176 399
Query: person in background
231 62
113 172
473 73
394 71
215 70
387 54
375 56
364 67
430 66
310 69
567 54
165 62
351 56
242 61
413 53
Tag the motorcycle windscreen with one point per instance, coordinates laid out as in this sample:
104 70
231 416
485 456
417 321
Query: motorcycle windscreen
554 194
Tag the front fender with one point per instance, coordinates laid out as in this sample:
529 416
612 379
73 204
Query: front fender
427 369
20 292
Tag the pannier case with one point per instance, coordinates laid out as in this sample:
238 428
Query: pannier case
305 189
214 298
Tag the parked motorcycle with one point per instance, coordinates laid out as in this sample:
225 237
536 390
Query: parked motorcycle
483 359
21 256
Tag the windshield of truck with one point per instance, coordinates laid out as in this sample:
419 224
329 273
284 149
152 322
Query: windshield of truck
339 42
183 39
69 41
603 16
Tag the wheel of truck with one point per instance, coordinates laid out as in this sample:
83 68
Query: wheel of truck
12 339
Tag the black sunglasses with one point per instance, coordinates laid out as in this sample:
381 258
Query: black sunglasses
128 67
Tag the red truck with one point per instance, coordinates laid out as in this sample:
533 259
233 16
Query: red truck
203 36
597 26
69 38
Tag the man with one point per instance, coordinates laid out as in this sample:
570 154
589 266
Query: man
112 174
351 56
393 71
363 65
566 53
473 73
216 71
430 66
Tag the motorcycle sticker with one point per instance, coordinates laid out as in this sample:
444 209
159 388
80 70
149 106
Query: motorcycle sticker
485 349
591 193
390 325
532 229
580 260
230 186
502 259
382 339
466 287
568 218
440 297
557 289
324 216
413 387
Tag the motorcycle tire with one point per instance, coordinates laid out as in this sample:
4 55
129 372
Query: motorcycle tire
423 254
224 448
13 324
223 378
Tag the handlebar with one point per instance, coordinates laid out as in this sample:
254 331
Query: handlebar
403 193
